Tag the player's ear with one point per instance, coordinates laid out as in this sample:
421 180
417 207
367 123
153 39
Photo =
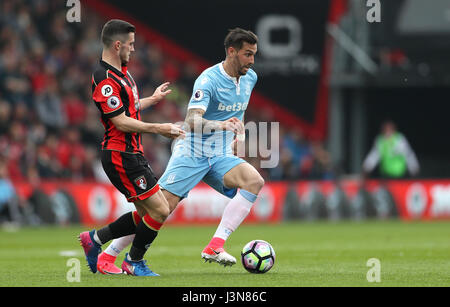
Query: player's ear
116 45
231 51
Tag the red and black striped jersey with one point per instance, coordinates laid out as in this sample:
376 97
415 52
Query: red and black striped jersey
115 92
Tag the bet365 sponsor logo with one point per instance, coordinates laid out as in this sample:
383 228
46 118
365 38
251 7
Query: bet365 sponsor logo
235 107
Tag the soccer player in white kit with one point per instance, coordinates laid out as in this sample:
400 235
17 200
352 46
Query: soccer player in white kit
214 125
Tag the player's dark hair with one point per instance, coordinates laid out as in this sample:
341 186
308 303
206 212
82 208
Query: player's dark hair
237 36
113 29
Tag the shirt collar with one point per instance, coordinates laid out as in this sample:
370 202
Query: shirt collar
222 70
115 70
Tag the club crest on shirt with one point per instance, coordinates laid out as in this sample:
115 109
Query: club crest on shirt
141 182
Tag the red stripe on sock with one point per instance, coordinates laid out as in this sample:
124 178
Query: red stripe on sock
151 223
136 218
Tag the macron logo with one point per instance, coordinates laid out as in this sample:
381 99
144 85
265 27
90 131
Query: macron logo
235 107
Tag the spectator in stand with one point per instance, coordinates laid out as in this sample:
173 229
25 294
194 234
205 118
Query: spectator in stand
392 152
71 154
294 141
15 149
91 129
5 116
49 106
74 109
299 151
47 163
14 84
321 167
9 210
38 102
21 114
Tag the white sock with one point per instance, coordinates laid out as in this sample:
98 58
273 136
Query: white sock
234 214
118 245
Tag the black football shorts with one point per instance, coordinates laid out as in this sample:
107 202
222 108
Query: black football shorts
130 173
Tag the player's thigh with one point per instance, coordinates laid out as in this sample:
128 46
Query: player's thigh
156 206
215 181
244 176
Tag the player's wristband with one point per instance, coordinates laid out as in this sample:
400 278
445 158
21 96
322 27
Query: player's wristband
240 137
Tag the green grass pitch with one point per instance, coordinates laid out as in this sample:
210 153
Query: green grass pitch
307 254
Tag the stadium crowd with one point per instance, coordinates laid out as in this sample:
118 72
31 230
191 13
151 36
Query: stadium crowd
49 126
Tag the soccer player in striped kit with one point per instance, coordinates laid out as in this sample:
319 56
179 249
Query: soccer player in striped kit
116 95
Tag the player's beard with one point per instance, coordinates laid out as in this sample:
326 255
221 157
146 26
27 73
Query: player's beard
124 57
241 70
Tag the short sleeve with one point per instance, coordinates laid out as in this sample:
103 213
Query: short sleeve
107 96
202 93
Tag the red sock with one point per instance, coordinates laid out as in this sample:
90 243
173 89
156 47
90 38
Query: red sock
216 242
146 232
151 223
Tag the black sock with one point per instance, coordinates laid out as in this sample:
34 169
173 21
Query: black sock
145 235
121 227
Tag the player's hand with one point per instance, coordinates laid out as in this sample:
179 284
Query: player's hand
161 92
172 131
238 147
233 124
238 144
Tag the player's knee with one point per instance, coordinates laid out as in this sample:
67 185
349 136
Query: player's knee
160 214
255 184
157 208
164 212
259 182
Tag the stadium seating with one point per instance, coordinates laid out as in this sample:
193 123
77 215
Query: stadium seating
49 127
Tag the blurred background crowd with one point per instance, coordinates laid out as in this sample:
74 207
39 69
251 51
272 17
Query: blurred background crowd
49 126
329 102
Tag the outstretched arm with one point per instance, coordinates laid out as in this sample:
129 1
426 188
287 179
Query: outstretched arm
160 93
130 125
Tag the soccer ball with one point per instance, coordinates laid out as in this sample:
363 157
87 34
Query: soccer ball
258 256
